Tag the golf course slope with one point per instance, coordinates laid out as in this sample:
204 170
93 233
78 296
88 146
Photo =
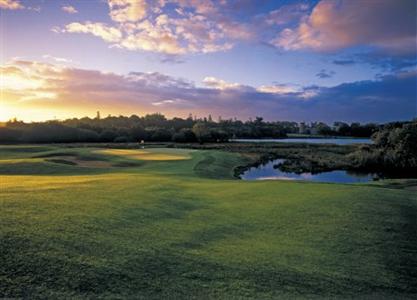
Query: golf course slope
173 223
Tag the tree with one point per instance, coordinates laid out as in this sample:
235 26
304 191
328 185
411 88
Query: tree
219 135
86 135
138 133
121 139
9 135
342 128
161 135
201 131
107 135
394 150
323 129
157 127
185 135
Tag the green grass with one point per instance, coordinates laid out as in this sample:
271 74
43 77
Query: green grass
186 229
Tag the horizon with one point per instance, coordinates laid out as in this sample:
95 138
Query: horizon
302 61
214 119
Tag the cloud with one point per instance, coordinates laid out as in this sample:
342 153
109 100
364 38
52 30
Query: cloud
157 79
34 8
168 102
57 59
109 34
324 74
11 4
334 25
344 62
286 14
17 4
179 27
69 9
151 37
127 10
172 27
57 29
200 7
279 89
385 62
390 98
220 84
64 91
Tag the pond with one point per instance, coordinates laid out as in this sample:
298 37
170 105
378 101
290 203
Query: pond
337 141
268 172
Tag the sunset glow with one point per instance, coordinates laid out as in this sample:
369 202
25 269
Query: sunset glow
298 60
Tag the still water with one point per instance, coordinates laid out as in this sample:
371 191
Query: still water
267 172
337 141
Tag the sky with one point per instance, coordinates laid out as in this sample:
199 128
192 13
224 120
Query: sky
322 60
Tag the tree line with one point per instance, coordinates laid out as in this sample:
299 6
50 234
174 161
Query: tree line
394 149
157 128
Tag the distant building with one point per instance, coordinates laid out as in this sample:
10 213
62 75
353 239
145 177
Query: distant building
314 130
314 126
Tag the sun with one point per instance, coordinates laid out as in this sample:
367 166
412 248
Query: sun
6 112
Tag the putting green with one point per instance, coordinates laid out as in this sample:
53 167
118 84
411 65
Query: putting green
149 154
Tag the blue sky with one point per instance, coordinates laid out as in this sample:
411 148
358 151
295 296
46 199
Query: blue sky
241 58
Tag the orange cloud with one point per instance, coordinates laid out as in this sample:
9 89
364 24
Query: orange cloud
334 25
38 91
11 4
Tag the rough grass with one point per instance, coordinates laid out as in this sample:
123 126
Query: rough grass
171 229
59 160
66 160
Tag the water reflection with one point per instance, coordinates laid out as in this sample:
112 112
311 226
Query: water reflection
268 172
337 141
